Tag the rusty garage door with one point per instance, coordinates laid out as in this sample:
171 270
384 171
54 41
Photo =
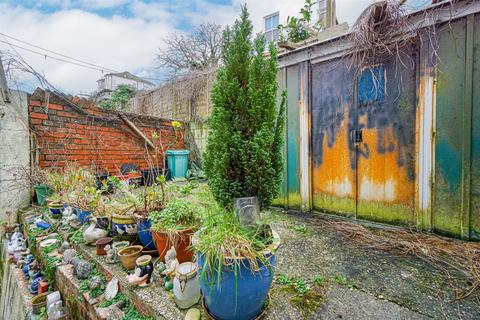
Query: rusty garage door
363 139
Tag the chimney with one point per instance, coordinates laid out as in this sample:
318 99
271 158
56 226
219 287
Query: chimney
327 13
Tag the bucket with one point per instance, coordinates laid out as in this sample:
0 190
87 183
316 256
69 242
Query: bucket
41 191
177 161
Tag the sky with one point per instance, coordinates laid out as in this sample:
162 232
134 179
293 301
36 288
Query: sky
124 35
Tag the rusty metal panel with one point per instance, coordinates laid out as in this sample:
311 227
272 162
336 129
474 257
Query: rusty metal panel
293 136
333 154
475 187
386 101
449 136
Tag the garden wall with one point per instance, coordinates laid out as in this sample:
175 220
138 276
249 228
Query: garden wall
73 130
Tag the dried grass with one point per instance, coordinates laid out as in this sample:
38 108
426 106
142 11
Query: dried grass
381 31
448 256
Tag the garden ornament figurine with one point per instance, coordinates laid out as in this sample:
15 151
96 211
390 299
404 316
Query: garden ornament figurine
16 243
171 263
92 234
111 255
142 276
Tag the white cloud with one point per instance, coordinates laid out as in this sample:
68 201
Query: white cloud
118 43
126 43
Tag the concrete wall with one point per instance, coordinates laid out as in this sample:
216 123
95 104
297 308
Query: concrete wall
14 153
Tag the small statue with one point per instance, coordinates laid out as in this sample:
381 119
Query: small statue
143 272
111 254
16 243
171 262
81 268
68 256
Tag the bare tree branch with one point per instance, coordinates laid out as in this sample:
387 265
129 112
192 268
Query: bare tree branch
195 51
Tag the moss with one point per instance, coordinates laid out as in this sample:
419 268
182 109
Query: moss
294 200
331 204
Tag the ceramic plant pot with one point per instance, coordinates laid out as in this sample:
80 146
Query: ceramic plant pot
56 210
145 232
101 243
240 296
83 216
129 255
124 225
181 244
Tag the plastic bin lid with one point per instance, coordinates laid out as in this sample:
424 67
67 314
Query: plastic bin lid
178 152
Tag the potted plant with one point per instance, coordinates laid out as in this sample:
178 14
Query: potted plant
174 226
153 199
87 202
237 264
55 205
123 222
243 159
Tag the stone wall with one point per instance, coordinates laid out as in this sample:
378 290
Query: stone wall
80 133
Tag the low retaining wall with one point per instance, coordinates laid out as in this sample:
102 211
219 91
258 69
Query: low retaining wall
14 304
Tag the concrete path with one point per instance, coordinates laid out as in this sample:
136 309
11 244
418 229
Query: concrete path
359 283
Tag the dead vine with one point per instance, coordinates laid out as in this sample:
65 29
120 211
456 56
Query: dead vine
446 255
381 31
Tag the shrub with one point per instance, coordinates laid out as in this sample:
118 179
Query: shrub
244 152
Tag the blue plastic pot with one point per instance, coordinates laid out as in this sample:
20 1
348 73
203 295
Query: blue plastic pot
245 302
83 216
145 233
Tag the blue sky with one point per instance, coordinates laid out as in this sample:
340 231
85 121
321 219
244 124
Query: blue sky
126 35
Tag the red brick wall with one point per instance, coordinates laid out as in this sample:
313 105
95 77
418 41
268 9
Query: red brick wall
94 138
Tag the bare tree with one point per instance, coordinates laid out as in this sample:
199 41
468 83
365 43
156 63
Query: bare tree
195 51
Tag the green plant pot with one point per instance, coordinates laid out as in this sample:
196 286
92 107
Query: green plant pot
41 191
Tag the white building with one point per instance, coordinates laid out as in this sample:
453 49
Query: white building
111 81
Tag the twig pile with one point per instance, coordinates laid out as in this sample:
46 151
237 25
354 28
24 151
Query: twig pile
444 254
379 33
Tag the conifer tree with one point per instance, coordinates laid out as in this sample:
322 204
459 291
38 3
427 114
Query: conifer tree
244 155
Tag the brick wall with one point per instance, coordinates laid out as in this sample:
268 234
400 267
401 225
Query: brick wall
80 133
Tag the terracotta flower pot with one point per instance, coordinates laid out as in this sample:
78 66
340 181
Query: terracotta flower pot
181 243
129 255
101 243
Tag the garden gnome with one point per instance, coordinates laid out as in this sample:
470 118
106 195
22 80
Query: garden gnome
171 262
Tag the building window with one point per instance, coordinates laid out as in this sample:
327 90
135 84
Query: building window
371 85
271 27
322 6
